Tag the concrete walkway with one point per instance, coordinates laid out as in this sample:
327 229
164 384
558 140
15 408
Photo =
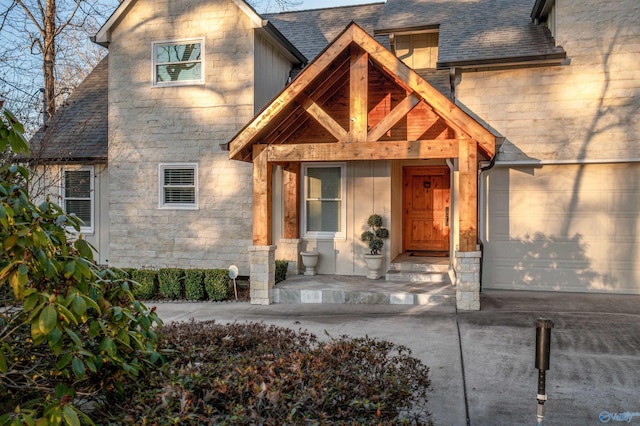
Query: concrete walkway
595 350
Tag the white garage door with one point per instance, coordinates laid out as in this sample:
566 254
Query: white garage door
563 227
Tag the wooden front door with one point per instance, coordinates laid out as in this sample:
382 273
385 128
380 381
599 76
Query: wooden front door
425 202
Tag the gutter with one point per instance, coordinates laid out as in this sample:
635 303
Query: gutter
548 59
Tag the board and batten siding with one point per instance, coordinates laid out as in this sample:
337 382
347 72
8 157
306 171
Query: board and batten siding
563 228
368 191
272 70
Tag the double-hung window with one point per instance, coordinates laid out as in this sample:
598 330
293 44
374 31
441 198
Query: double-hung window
178 184
324 210
77 195
178 62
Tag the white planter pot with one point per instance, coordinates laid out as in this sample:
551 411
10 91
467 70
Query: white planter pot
310 261
374 263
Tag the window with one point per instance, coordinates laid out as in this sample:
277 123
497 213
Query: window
77 195
178 186
178 62
324 204
418 51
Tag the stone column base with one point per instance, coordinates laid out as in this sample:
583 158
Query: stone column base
289 250
468 280
262 274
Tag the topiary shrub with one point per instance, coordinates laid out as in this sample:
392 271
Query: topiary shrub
171 282
194 284
216 284
281 270
71 332
252 373
146 284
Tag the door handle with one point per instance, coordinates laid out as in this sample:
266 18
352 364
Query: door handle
446 216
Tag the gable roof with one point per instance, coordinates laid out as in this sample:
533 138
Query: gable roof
475 33
79 130
103 37
294 97
312 30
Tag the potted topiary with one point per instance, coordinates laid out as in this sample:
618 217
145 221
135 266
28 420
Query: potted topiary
374 239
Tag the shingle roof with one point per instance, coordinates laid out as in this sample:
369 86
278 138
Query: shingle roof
312 30
79 129
480 31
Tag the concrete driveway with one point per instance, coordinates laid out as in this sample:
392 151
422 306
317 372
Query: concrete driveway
595 351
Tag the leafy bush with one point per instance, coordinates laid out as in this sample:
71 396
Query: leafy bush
69 331
216 284
281 270
375 235
146 286
245 374
170 282
194 284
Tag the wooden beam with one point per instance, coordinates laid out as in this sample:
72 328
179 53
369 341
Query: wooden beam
322 93
453 115
262 200
323 118
358 89
247 135
468 167
396 150
291 181
402 109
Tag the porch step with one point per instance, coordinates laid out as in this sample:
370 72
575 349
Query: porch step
418 276
360 290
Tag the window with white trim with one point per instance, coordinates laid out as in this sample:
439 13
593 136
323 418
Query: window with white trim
178 62
77 195
324 210
178 184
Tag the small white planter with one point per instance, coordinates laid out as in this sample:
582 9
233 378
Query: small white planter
310 261
374 263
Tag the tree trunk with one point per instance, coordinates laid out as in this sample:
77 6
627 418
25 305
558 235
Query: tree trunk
49 55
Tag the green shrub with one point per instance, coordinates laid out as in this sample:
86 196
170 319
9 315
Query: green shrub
146 287
281 270
216 284
257 374
171 282
194 284
71 331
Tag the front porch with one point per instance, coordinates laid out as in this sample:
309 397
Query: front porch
354 123
409 281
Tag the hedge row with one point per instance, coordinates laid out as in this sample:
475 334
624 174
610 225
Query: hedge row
189 284
176 283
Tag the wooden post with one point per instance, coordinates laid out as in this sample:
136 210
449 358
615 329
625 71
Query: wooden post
358 87
468 166
291 181
262 183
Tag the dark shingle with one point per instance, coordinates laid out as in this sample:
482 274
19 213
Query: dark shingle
312 30
474 30
78 132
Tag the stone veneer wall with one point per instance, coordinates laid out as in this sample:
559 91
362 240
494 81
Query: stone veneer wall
148 126
584 110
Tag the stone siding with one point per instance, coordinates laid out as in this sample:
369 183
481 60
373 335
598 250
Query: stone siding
584 110
149 126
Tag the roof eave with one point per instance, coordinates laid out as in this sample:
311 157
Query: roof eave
538 9
406 30
547 59
103 36
293 54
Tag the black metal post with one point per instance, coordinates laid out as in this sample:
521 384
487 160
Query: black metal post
543 350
